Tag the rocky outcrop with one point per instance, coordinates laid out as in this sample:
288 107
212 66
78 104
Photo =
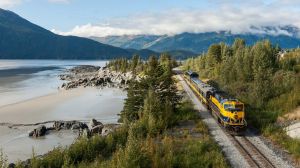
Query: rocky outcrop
293 130
38 132
108 129
93 128
94 77
94 123
73 125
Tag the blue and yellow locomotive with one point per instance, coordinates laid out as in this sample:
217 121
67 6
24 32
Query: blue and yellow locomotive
228 111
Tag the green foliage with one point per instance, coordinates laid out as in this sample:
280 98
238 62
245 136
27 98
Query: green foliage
3 159
279 136
254 74
158 79
185 111
200 154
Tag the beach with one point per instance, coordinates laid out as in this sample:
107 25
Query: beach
33 96
77 104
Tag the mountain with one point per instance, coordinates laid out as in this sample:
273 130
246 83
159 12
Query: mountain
199 42
127 41
143 53
21 39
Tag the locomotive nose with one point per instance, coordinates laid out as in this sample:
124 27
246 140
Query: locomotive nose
235 116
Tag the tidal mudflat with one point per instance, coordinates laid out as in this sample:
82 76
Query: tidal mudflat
33 96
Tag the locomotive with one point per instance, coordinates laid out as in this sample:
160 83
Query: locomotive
229 112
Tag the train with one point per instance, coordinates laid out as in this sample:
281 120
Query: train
228 111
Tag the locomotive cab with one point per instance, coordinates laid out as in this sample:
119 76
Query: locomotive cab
231 111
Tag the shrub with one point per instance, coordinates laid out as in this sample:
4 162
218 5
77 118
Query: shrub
3 159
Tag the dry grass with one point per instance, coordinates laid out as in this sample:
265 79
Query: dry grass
294 115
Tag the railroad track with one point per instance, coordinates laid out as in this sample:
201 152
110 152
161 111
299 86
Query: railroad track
254 157
250 152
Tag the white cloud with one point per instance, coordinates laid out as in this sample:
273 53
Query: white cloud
237 19
9 3
237 16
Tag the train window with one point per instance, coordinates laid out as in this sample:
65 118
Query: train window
231 107
228 106
239 107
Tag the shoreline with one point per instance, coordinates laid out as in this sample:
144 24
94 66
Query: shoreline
80 104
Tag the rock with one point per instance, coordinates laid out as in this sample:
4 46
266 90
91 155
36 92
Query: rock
79 126
38 132
94 123
107 130
86 133
58 125
293 130
75 126
97 129
95 76
11 165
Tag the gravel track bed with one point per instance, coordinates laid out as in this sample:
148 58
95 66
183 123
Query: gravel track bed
276 156
231 152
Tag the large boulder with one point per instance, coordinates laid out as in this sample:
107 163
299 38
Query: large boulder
97 129
94 123
107 130
58 125
38 132
79 125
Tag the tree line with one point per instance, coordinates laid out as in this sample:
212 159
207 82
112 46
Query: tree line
266 80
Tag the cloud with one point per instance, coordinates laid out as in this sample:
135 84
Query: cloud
248 17
9 3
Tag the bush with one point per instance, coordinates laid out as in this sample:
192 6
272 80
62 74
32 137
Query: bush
200 154
185 111
279 136
3 159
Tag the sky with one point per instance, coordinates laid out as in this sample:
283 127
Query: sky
131 17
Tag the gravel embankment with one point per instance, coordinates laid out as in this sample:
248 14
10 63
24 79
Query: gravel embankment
230 151
277 156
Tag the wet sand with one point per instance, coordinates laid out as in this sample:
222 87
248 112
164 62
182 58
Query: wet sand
77 104
35 110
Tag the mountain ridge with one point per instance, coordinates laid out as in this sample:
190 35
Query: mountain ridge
199 42
21 39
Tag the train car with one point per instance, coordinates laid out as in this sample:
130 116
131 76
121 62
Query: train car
229 112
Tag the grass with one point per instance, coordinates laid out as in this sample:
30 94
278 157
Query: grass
279 137
3 159
167 151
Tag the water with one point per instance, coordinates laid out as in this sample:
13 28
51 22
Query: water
29 94
24 79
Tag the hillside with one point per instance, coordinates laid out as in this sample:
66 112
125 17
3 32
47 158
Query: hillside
21 39
198 42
